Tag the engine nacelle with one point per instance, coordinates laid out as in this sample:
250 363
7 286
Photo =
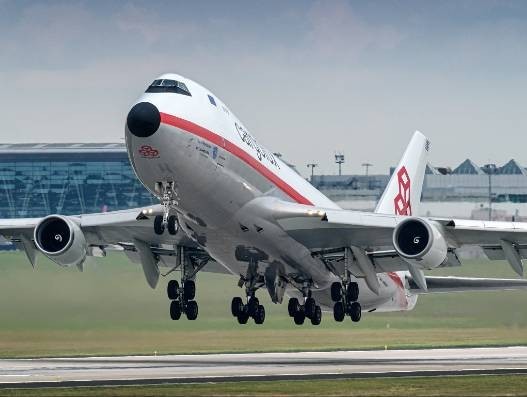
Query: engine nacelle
420 243
61 240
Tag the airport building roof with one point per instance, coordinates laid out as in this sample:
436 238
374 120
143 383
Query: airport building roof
57 151
61 147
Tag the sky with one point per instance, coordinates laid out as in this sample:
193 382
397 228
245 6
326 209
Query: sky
307 78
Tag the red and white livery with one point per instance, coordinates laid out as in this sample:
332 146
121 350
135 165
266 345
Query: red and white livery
228 204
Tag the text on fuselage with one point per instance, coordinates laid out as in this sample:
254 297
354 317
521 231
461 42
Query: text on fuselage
250 141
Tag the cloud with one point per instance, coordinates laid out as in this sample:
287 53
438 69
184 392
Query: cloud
148 25
45 32
335 29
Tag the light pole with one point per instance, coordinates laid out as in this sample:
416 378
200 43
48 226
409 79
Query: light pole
490 169
366 166
339 159
312 166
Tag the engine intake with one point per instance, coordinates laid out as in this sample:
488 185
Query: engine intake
420 242
61 240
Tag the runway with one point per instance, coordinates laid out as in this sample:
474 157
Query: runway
259 366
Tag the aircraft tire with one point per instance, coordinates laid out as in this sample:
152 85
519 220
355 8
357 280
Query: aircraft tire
172 225
317 317
352 292
259 315
172 289
175 310
192 310
243 316
293 306
310 307
159 228
336 291
236 306
252 306
355 312
299 317
189 290
338 312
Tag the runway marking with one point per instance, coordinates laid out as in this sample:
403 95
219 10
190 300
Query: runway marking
249 378
146 370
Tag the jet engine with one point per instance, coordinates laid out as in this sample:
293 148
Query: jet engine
61 240
420 243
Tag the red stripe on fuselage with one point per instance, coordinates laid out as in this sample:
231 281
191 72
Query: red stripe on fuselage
236 151
396 279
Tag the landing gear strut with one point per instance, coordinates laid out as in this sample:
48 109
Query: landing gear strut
168 199
252 309
183 297
308 309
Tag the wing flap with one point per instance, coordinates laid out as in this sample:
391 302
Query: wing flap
463 284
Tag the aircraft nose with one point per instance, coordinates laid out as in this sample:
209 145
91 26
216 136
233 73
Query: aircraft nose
143 119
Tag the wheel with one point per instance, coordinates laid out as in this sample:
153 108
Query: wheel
236 306
159 228
299 317
259 315
310 307
192 310
243 316
172 289
292 306
336 291
172 224
352 292
253 305
317 317
355 312
339 312
189 290
175 310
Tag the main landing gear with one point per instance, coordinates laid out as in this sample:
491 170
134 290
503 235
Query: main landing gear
308 309
168 198
252 309
345 296
183 297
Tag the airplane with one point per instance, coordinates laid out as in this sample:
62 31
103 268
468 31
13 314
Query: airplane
229 205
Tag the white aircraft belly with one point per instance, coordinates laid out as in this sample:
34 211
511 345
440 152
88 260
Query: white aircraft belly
199 176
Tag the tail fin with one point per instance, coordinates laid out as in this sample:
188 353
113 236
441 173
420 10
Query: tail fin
402 196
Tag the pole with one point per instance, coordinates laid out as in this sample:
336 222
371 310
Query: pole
490 194
312 166
366 166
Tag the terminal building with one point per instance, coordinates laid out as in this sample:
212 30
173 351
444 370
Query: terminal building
466 182
42 179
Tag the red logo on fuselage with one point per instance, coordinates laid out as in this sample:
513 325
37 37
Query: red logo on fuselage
402 200
147 151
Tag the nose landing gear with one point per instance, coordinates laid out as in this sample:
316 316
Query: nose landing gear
168 199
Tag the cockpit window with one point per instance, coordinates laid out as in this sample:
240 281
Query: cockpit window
164 85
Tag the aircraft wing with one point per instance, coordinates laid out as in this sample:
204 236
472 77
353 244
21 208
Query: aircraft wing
463 284
327 232
129 231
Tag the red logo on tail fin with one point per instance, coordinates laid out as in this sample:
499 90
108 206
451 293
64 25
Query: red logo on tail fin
402 200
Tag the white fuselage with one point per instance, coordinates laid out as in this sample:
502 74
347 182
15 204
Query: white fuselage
217 168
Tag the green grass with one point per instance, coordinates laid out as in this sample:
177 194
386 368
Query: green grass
495 385
109 309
